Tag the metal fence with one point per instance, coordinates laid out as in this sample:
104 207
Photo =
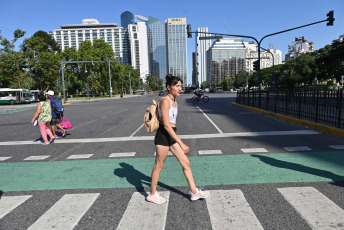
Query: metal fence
321 106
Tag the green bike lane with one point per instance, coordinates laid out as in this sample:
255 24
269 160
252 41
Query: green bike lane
207 170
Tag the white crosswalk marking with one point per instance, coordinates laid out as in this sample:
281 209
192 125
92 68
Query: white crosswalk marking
319 211
298 148
228 209
168 154
79 156
209 152
129 154
36 158
141 214
8 203
66 213
254 150
4 158
337 146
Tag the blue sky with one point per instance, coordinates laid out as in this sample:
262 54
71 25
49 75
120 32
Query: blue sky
253 18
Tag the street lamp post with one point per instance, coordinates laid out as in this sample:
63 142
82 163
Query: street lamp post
131 92
273 67
110 75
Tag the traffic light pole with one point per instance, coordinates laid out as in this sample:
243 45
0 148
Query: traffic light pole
330 20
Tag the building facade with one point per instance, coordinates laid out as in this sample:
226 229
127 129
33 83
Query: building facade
139 50
298 47
157 48
71 36
225 59
176 48
202 46
129 18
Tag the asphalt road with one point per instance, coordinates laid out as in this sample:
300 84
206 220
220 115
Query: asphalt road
253 164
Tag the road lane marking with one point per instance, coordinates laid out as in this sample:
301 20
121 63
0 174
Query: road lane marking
218 129
297 148
318 211
97 119
4 158
36 158
254 150
65 213
151 138
228 209
209 152
136 131
8 203
141 214
337 146
79 156
129 154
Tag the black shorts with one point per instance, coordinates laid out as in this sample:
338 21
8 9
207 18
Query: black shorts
163 138
55 120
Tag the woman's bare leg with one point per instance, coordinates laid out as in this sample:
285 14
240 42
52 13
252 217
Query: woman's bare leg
184 161
161 154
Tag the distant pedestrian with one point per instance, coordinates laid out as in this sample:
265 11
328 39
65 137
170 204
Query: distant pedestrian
43 113
166 139
56 117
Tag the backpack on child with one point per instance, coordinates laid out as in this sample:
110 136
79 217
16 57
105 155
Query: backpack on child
57 106
150 119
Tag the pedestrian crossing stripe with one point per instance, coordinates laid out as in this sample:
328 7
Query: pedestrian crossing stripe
209 152
129 154
227 209
79 156
298 148
254 150
36 158
318 211
4 158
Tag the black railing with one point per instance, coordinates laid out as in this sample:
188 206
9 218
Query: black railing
321 106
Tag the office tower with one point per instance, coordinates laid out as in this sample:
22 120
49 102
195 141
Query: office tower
129 18
201 56
176 47
157 48
90 29
139 51
225 58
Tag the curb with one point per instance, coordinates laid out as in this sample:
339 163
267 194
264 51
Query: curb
321 127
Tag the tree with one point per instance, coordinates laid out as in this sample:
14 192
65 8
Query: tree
46 43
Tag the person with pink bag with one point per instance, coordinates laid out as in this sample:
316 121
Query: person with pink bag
43 114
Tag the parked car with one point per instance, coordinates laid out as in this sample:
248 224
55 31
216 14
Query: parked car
218 90
206 90
161 92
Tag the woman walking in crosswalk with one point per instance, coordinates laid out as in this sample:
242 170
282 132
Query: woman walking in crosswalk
167 139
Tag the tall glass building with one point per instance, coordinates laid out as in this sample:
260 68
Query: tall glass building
202 46
129 18
225 58
176 47
157 48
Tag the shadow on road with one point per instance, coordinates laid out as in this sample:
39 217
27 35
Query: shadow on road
1 192
338 180
138 179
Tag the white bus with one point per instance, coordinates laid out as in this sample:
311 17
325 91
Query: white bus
14 96
34 95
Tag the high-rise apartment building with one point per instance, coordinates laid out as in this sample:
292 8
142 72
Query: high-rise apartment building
225 58
176 48
202 46
157 48
139 50
298 47
90 29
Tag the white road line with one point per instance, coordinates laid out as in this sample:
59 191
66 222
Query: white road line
254 150
4 158
228 209
318 211
65 213
79 156
8 203
97 119
129 154
337 146
136 131
168 154
208 152
297 148
218 129
141 214
150 138
36 158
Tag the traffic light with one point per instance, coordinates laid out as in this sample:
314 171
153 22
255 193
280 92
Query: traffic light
188 29
256 65
330 18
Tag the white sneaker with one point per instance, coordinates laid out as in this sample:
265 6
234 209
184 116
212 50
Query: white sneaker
199 194
156 198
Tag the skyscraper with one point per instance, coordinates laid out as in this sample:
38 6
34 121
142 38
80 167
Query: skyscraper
176 47
157 48
201 56
129 18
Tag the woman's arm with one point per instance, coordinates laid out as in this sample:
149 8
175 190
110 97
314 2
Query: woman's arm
38 111
164 107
